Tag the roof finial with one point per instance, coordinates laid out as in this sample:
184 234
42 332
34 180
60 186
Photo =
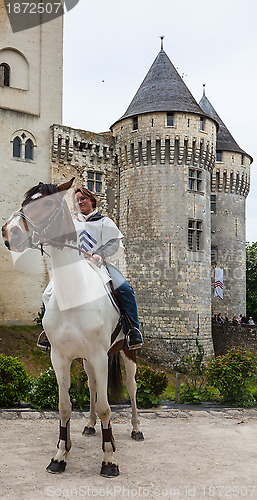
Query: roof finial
162 37
204 88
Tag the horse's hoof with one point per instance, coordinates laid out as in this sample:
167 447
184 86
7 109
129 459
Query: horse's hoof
137 435
109 470
56 467
88 431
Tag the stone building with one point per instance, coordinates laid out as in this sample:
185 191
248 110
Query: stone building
230 184
154 174
31 68
166 150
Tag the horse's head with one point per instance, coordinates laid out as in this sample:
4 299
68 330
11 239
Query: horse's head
44 215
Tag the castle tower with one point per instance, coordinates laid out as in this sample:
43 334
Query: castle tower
229 188
166 147
30 102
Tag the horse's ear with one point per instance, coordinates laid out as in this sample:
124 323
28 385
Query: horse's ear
66 185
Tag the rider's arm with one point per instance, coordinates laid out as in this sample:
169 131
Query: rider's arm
110 248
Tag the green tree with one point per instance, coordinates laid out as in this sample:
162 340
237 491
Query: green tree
251 280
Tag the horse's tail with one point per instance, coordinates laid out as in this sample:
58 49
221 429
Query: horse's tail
115 377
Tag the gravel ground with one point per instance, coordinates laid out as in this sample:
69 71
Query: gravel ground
200 452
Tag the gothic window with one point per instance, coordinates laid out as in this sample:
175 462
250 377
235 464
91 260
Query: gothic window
195 234
170 119
218 155
242 159
29 147
94 181
135 122
213 203
194 179
4 75
16 147
23 145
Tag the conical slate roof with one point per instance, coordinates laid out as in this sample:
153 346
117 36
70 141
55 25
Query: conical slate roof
163 89
225 141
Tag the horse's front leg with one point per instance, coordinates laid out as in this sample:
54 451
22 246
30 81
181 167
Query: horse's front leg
100 363
89 429
130 367
62 371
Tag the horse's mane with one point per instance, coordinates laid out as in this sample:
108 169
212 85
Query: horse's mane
44 189
64 228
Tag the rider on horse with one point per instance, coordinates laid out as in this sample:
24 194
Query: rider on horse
101 238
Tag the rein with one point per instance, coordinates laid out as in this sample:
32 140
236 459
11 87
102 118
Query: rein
63 245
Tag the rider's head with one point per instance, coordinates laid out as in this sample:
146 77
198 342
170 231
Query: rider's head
85 200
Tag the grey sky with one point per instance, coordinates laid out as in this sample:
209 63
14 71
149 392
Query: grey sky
109 47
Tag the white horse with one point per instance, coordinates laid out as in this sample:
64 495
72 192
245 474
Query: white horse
79 319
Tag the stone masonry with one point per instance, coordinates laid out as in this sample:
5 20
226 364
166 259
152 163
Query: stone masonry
85 155
30 102
155 205
230 185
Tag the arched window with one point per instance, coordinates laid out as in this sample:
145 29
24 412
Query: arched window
4 75
16 147
29 147
23 144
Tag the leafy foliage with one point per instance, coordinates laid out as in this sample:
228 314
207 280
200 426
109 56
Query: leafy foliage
194 389
150 385
79 391
45 392
14 381
38 319
231 373
251 280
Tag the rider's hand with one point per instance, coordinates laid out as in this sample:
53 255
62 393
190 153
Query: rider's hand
97 259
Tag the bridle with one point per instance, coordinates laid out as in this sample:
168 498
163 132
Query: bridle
37 237
39 230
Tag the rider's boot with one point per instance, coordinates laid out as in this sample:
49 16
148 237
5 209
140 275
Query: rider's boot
135 339
128 307
44 344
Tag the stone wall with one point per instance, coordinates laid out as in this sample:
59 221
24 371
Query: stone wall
172 282
81 154
226 335
168 352
230 186
28 107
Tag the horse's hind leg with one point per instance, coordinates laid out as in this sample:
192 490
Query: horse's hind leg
100 363
130 367
89 429
62 371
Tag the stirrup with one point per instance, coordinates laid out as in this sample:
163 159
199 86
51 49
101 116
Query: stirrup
43 344
137 345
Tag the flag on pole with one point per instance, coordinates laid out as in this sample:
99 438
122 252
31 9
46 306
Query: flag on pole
218 284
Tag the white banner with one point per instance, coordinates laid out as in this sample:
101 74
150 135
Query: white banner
218 284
